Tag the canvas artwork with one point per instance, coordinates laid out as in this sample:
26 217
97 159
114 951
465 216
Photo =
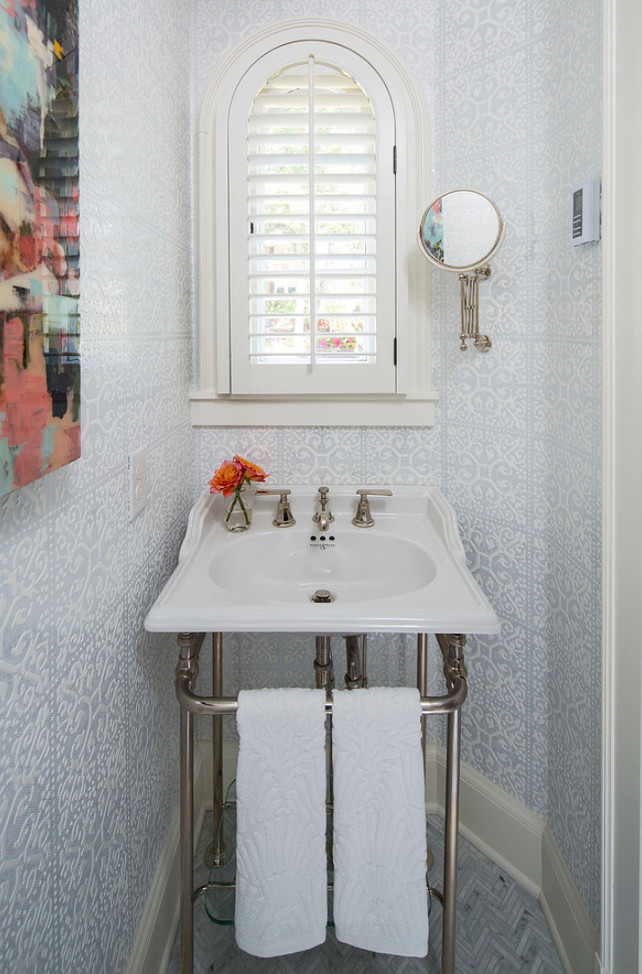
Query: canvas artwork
39 242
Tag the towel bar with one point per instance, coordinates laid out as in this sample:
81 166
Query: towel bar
220 706
217 706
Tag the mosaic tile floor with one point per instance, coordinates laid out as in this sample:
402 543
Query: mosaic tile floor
500 930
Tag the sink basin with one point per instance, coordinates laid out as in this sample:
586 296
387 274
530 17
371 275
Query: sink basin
406 574
288 566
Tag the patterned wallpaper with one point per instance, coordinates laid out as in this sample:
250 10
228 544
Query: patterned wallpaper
88 719
513 88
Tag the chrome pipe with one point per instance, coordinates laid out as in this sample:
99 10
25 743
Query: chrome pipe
451 841
422 682
454 670
229 705
323 664
353 677
186 840
189 647
215 853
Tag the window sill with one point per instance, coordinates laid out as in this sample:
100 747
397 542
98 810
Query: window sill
208 409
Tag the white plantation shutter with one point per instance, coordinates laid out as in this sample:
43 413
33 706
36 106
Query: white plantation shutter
312 226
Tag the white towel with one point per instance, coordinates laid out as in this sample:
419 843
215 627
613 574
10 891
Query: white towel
281 879
380 898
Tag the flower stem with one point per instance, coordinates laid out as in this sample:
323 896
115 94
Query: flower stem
238 500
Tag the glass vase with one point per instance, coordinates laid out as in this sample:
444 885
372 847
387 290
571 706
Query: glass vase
238 513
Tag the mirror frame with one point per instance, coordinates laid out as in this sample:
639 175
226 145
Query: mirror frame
462 268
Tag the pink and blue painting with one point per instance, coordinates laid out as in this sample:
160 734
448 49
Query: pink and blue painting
39 240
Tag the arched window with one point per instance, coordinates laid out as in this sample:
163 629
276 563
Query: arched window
308 202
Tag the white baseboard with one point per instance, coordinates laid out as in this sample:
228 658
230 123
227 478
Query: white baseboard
572 929
498 825
521 843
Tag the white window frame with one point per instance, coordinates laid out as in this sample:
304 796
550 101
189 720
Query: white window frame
372 376
212 402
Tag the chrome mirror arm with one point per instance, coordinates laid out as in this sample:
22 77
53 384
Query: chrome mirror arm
469 293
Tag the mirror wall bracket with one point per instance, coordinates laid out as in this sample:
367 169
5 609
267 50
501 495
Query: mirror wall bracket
469 292
460 231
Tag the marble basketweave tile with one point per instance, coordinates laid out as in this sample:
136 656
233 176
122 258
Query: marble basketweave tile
503 929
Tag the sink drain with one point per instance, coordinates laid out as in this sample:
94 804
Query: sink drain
322 595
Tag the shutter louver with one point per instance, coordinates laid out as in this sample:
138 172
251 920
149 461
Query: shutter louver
312 220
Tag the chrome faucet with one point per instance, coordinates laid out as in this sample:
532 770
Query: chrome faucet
363 518
284 517
323 517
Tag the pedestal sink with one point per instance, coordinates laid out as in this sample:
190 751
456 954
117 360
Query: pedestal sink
407 573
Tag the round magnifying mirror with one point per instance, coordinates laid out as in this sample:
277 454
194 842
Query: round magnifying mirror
461 230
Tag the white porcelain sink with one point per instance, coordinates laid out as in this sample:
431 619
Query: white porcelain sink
405 574
286 566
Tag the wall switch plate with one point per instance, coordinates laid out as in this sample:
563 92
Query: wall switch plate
137 482
586 212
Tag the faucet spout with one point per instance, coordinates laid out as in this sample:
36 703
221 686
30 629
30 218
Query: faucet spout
323 517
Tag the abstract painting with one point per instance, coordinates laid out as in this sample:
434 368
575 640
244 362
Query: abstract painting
39 240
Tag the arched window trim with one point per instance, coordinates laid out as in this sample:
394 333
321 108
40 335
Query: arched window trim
211 402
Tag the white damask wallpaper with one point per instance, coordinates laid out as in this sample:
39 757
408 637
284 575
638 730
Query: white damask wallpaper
513 89
87 712
88 717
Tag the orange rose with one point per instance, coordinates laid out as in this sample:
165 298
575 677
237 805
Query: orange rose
251 471
227 478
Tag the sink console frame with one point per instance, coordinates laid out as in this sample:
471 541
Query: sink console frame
217 706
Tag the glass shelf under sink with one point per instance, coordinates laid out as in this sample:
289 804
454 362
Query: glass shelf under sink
220 894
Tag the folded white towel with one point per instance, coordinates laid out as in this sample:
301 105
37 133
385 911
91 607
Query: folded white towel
281 880
380 899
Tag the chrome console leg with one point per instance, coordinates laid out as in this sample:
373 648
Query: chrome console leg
452 651
323 664
354 676
215 853
189 645
422 682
